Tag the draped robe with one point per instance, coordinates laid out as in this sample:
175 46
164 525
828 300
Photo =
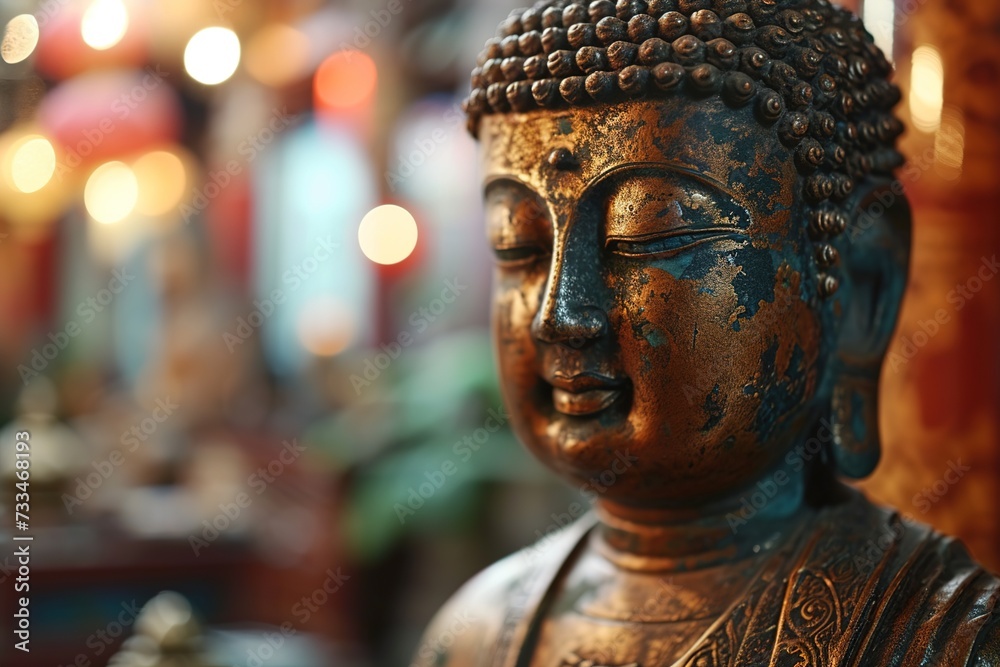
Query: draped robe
854 586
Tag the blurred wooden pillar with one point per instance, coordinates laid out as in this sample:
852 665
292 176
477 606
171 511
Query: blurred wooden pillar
941 384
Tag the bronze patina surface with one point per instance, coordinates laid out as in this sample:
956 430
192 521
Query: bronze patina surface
693 295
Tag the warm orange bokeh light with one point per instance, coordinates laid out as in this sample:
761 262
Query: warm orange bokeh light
278 55
345 81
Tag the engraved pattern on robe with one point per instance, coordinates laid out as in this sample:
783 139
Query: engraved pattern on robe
857 588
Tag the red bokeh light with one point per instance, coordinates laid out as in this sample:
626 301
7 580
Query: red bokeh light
345 81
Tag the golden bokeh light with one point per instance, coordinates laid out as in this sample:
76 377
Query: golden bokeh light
32 194
949 144
161 178
926 89
20 38
111 193
212 55
345 80
104 24
33 162
387 234
278 55
325 327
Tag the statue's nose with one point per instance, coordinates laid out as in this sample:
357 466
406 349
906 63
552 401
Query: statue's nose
572 325
570 310
568 313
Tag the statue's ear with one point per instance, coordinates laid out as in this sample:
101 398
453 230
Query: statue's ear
875 257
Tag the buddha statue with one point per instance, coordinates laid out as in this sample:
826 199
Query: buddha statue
701 252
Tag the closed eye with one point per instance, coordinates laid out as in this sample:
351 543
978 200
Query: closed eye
666 244
515 256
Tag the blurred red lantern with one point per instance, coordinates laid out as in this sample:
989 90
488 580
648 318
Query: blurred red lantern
109 114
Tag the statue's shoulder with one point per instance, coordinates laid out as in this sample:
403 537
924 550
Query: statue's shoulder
923 592
988 649
468 624
482 613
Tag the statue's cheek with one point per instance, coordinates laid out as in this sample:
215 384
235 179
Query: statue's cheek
515 303
664 302
694 329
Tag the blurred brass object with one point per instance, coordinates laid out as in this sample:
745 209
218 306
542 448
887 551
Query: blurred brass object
166 635
700 256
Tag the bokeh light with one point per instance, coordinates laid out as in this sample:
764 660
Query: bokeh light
387 234
33 163
345 80
104 24
278 55
926 89
949 144
161 179
20 38
32 191
325 327
212 55
111 193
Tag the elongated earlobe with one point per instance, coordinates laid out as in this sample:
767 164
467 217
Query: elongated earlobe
854 418
876 261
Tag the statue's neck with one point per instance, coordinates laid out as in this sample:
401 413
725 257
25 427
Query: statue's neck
756 520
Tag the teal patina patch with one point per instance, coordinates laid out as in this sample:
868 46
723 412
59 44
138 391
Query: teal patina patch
714 408
858 426
654 336
779 395
750 290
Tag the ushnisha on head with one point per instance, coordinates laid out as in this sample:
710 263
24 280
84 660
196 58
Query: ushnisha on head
808 69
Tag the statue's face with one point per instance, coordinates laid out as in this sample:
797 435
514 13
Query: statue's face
651 300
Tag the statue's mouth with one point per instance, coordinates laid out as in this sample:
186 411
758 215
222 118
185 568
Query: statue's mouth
584 403
584 394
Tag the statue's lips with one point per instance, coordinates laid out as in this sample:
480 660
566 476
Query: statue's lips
583 394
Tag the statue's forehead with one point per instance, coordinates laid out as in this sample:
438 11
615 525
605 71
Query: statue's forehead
709 139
